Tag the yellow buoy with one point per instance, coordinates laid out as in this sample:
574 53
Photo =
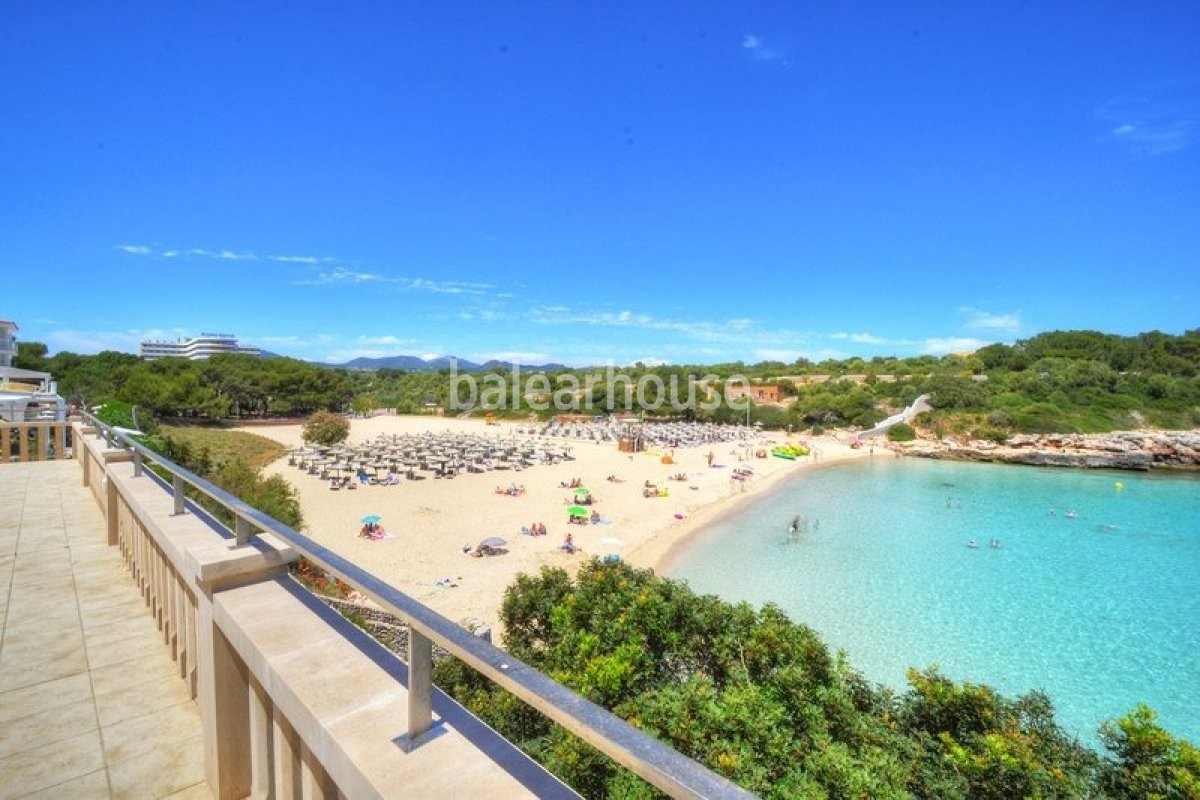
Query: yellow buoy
1119 486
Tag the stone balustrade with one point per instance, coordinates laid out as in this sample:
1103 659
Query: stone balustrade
298 702
34 441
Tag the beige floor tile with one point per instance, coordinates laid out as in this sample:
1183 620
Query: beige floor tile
109 587
137 735
85 787
51 764
130 626
197 791
98 565
159 772
46 726
43 584
26 609
91 547
109 596
39 642
96 617
140 699
116 650
42 696
125 674
50 561
24 673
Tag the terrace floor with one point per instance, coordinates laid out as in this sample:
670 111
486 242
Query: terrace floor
91 704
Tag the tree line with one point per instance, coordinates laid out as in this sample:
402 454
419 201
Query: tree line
1062 381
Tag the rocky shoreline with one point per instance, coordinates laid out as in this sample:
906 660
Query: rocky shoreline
1129 450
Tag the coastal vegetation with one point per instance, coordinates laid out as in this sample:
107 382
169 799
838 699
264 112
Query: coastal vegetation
761 700
1057 382
231 460
326 428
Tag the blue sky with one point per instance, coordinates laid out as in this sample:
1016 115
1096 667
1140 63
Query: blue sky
681 182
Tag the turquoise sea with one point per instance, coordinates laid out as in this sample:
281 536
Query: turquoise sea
1100 610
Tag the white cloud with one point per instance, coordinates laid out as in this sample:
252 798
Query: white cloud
223 254
953 344
90 342
382 341
1152 124
1155 138
986 321
858 338
514 356
342 275
485 315
771 354
341 356
760 50
444 287
232 255
284 341
738 331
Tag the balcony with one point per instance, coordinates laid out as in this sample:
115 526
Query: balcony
150 652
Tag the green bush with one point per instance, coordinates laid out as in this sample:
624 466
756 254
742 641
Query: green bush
990 434
901 432
760 699
326 428
124 415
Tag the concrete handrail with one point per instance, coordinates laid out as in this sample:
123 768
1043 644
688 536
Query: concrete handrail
651 759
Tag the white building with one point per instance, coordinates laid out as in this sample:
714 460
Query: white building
26 395
202 346
8 342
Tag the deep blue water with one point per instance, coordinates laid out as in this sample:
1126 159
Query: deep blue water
1101 611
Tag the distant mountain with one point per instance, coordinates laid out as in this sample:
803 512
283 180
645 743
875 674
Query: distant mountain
417 364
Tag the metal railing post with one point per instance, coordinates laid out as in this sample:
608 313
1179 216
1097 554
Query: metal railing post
177 494
242 530
420 691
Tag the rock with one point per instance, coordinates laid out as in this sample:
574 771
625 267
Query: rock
1128 450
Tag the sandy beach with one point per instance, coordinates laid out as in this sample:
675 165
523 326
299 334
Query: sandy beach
429 521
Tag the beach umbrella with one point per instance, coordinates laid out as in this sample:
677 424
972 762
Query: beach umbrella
493 541
371 519
582 490
577 511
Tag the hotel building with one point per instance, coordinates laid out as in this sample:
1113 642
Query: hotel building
202 346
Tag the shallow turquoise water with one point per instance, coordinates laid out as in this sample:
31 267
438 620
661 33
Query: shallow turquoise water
1101 611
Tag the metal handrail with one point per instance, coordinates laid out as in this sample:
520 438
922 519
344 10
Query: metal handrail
656 762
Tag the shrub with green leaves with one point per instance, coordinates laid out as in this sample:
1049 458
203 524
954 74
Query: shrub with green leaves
326 428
